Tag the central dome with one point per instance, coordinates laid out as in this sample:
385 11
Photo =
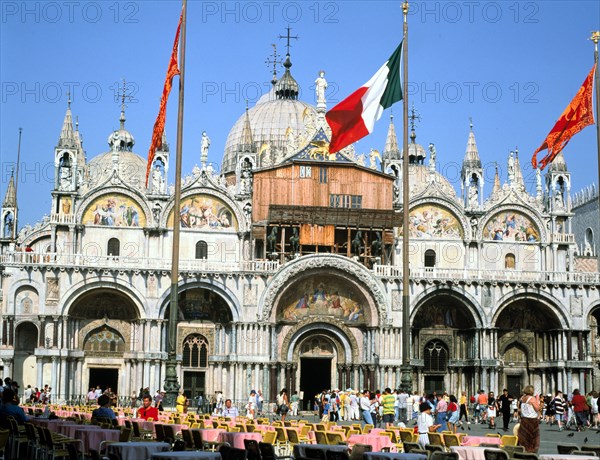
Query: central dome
269 124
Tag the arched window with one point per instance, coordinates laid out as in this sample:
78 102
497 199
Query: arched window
436 357
515 354
104 340
588 249
509 261
195 351
430 258
114 247
201 250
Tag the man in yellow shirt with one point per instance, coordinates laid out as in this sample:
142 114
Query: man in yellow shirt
387 401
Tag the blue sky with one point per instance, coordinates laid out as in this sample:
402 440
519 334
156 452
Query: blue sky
512 66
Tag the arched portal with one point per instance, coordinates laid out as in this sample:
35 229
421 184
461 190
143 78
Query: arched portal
528 333
103 323
26 338
318 353
444 342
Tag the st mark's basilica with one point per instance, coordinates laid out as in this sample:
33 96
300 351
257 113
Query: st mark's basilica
290 271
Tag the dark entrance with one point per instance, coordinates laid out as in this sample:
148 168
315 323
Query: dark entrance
105 378
434 383
315 376
513 385
194 383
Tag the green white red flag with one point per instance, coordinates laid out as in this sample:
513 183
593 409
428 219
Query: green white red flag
354 117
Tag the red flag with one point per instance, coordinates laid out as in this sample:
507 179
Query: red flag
159 124
578 114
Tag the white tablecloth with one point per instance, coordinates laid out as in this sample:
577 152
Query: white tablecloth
566 457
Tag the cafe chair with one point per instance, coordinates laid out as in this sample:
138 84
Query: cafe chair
525 456
444 456
495 454
566 449
591 448
409 446
358 451
336 455
252 449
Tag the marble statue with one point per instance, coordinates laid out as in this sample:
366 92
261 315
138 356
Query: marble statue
320 87
204 147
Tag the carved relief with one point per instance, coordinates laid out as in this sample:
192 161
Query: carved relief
52 291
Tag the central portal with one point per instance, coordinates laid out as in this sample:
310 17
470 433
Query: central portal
315 376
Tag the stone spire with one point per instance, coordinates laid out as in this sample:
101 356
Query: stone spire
497 187
391 151
67 137
10 199
519 181
247 144
472 154
558 164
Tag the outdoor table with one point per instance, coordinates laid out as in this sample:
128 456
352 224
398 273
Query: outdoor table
469 452
476 440
300 449
91 439
210 434
137 450
69 430
566 457
376 440
237 439
186 455
393 456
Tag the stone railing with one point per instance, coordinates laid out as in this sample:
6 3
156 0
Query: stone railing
24 259
62 218
389 271
563 238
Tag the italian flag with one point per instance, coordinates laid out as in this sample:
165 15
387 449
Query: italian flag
354 117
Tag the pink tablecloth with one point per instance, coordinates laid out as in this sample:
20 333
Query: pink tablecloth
237 439
69 430
476 440
210 434
469 452
377 441
91 439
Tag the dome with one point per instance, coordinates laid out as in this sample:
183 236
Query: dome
415 151
269 123
420 176
121 140
131 169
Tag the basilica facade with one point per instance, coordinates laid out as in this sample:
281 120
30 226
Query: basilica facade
290 268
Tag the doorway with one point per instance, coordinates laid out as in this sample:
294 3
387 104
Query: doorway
194 383
513 385
104 378
315 376
434 383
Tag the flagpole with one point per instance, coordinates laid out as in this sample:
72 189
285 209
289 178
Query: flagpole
14 230
171 380
406 376
596 38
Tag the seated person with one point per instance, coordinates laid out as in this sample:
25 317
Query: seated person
147 411
229 410
11 408
104 411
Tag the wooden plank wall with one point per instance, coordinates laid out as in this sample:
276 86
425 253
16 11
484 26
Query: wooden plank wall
285 186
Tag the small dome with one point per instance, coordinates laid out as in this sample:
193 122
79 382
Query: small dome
415 151
121 140
269 123
131 169
420 176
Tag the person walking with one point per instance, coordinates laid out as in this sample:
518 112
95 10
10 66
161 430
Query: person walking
387 401
365 407
529 431
559 408
504 403
463 409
